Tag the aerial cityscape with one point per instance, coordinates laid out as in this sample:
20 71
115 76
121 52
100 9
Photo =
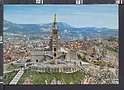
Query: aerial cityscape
60 53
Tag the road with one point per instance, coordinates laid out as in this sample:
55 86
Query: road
17 77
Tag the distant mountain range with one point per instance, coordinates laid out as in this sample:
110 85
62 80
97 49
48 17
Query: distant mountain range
46 28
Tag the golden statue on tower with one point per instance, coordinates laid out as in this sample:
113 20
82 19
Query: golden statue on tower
55 17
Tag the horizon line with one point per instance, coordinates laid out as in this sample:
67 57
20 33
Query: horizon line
58 22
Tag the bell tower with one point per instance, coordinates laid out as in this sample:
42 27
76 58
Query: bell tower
55 46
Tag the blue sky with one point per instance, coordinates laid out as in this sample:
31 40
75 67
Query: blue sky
74 15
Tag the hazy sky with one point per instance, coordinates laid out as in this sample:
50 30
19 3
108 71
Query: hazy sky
74 15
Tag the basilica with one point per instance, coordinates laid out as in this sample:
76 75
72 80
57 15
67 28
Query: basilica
52 59
55 63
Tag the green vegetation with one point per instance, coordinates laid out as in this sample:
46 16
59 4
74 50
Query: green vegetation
28 65
98 62
112 39
7 77
115 49
40 78
83 58
12 67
